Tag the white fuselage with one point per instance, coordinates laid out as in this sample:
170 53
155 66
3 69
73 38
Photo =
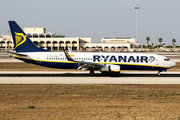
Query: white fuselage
125 60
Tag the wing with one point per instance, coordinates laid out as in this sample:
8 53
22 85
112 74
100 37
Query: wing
83 65
88 65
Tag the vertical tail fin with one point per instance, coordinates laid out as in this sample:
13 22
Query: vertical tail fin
21 41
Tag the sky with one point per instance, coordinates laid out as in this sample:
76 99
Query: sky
97 18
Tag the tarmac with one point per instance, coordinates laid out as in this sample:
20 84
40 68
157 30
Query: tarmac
83 77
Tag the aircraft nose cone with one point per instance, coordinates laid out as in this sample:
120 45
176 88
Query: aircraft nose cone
173 64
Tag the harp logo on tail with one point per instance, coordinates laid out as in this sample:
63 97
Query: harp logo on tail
20 39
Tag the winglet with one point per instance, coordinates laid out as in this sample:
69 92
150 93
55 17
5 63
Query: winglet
69 49
67 55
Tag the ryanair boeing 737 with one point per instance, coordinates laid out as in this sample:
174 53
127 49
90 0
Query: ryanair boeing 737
26 51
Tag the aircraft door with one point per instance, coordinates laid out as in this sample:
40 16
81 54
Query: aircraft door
157 62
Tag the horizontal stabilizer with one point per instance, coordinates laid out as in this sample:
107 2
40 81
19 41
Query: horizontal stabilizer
14 53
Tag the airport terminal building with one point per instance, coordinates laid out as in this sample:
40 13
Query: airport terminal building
51 41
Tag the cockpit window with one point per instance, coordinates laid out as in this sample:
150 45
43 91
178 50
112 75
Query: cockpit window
166 59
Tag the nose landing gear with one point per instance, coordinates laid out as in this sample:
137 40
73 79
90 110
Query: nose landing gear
159 72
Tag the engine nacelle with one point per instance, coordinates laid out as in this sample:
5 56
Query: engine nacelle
111 69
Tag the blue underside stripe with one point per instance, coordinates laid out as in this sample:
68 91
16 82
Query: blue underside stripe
72 65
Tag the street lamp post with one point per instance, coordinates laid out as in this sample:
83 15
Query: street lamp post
136 8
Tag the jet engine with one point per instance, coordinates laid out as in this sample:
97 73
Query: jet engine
111 69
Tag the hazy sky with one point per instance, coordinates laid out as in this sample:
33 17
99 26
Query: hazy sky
97 18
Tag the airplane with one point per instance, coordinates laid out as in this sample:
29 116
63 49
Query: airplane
111 63
164 49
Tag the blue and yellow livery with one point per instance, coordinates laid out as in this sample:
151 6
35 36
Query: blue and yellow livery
105 62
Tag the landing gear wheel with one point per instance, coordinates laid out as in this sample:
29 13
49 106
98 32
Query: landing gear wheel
159 73
92 72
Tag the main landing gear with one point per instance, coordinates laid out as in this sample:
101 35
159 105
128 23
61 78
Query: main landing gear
91 72
159 72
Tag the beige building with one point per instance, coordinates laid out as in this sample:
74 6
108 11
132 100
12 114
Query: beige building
112 44
51 41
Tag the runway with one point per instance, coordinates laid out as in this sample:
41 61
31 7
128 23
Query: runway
73 77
